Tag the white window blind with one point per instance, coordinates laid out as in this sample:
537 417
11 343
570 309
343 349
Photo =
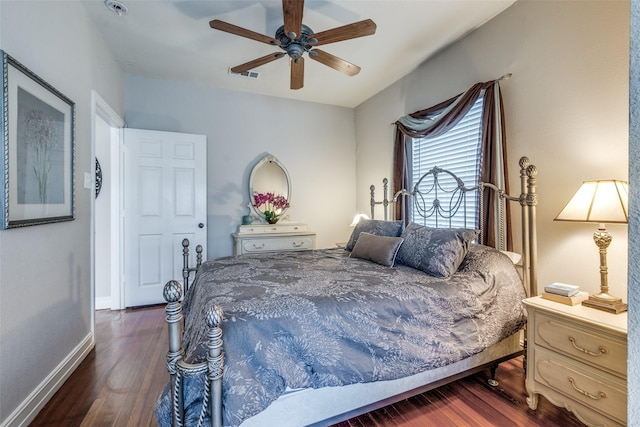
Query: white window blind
457 151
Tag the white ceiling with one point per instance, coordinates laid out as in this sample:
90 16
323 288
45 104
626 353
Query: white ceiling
171 39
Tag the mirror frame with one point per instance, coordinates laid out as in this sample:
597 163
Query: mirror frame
268 158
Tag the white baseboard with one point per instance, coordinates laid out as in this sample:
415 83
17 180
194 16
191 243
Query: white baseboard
103 303
29 408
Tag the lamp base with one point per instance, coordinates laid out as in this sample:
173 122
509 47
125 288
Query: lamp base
614 305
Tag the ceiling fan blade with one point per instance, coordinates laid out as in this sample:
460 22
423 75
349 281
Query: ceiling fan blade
297 73
346 32
216 24
257 62
334 62
292 13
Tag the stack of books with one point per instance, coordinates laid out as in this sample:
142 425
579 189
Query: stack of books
566 294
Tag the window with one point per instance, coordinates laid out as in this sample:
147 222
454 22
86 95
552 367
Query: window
457 151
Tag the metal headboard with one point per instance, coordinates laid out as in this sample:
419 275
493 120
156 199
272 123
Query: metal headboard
440 194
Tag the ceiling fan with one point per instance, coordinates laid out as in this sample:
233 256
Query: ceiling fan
295 39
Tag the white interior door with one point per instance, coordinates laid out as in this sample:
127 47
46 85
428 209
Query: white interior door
164 201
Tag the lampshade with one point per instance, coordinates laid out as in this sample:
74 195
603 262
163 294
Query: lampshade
604 201
357 218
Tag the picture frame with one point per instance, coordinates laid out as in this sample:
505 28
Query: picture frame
38 149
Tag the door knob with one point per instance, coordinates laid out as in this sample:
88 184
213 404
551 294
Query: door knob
201 225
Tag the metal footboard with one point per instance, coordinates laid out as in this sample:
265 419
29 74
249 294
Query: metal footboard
179 369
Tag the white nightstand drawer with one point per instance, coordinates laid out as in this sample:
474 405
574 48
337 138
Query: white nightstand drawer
586 345
292 243
596 391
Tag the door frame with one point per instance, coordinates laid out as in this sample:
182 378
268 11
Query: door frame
100 108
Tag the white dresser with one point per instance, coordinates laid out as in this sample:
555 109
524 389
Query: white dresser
577 358
286 236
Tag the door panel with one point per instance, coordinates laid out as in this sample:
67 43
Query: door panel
164 201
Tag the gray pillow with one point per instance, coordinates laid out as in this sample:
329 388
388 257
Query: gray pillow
436 251
374 226
379 249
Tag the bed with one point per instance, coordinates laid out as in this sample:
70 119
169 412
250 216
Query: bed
317 337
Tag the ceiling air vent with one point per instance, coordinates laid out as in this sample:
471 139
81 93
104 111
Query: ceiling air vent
249 74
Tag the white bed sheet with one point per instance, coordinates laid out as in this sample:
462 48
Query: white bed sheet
323 407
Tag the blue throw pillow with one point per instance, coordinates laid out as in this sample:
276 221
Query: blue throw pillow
436 251
374 226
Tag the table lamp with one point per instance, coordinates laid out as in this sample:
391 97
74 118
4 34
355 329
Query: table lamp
601 202
358 218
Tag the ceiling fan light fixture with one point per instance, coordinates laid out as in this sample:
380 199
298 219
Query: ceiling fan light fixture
116 7
295 38
295 51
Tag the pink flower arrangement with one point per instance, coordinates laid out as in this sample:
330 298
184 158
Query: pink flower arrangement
273 205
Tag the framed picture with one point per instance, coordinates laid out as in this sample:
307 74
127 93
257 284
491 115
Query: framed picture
37 149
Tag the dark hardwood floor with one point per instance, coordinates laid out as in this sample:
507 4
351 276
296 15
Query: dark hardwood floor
118 383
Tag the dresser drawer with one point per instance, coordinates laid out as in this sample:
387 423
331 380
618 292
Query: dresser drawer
275 228
290 243
594 390
588 345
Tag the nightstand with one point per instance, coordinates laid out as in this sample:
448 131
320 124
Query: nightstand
577 359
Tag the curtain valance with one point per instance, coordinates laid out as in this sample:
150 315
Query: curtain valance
442 117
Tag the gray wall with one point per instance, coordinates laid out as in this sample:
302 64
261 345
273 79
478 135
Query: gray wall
315 142
45 270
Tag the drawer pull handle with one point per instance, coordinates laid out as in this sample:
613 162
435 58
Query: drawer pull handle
256 246
600 395
603 350
297 245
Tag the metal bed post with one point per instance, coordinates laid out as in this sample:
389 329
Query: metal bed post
215 363
186 270
172 294
532 201
385 199
372 200
524 163
179 369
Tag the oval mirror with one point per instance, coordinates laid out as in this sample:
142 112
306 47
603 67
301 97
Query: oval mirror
269 176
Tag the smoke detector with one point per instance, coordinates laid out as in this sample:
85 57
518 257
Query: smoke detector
116 7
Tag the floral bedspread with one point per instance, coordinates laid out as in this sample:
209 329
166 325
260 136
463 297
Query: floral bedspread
320 318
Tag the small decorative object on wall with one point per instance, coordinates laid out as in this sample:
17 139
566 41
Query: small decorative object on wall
37 124
98 178
273 204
